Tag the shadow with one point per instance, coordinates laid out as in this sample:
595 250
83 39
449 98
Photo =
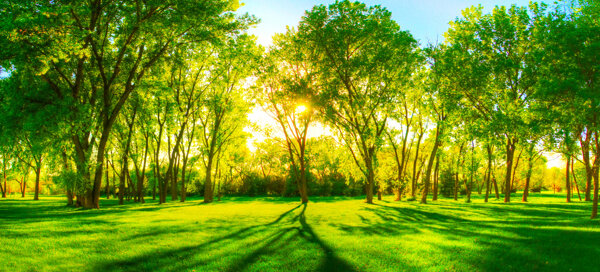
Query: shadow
285 236
280 235
498 237
331 262
30 211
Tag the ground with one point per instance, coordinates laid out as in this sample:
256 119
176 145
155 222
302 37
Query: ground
279 234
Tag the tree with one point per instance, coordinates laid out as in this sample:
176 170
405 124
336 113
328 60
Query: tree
188 77
497 49
93 55
569 85
27 122
363 60
287 81
226 104
6 159
441 102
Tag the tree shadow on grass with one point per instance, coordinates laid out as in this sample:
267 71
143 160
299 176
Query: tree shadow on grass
279 235
29 211
330 261
505 239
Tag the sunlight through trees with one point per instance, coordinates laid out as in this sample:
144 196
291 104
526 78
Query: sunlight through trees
134 99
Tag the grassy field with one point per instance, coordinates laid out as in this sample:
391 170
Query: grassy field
278 234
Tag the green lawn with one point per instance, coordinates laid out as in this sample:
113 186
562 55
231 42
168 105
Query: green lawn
278 234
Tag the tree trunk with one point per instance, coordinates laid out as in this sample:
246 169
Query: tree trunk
142 177
512 183
468 186
489 173
303 186
595 201
456 181
510 151
140 189
182 198
70 194
596 170
456 185
370 174
92 198
186 154
3 189
567 175
414 178
155 181
472 170
130 187
585 151
574 178
495 186
70 197
399 164
528 178
122 180
432 157
107 180
219 189
174 178
157 176
38 169
23 186
183 171
436 178
162 190
208 188
369 185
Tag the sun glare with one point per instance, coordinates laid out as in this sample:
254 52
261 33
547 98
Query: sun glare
300 108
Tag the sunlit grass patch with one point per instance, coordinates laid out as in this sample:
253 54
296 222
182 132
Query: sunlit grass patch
279 234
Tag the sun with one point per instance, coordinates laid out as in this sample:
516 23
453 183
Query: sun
300 108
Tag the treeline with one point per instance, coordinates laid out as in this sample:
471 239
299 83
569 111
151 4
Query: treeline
152 97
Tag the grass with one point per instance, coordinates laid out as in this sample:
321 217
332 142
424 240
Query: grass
278 234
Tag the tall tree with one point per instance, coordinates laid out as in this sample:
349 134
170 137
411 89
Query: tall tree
288 82
497 47
226 104
364 60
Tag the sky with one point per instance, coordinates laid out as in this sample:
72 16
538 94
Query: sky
427 20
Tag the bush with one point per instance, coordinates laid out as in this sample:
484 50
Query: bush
446 181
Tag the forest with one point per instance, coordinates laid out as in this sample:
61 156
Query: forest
113 106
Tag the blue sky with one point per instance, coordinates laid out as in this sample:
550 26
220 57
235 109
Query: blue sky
427 20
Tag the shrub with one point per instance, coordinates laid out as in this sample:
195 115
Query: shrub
446 181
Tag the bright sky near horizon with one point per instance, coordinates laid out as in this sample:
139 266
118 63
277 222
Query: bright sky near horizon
427 20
